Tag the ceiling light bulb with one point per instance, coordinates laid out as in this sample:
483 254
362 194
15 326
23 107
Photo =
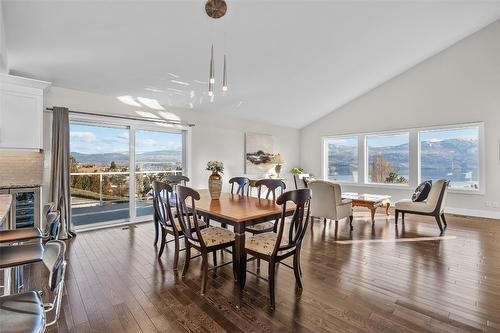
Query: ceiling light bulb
212 80
224 88
210 93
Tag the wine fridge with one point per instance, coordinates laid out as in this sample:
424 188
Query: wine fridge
25 210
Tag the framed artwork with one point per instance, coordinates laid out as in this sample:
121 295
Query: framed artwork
258 153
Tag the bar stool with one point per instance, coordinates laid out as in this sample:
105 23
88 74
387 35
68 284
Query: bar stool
25 312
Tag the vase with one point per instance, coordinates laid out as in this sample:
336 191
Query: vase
215 185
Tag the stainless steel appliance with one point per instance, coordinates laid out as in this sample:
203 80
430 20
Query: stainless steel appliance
25 210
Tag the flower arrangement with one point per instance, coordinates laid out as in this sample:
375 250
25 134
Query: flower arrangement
215 166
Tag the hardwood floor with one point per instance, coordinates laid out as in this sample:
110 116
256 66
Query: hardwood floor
115 283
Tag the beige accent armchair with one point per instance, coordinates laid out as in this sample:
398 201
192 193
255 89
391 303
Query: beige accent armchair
432 206
327 202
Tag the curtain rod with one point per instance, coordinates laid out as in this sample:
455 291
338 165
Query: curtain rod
153 120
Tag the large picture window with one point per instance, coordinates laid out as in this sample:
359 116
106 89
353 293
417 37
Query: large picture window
451 154
388 158
342 159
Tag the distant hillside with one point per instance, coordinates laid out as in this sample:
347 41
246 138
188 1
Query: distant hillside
452 157
120 158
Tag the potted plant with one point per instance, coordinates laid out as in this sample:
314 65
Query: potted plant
296 171
215 179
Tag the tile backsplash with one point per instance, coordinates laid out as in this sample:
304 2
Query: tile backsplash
19 168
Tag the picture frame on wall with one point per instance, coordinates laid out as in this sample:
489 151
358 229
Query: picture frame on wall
258 153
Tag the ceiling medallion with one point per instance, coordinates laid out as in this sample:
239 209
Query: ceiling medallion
216 8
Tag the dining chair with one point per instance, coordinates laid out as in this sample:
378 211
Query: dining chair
275 247
164 214
173 181
272 185
206 240
242 183
26 312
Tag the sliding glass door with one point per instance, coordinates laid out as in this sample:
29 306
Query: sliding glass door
104 159
99 174
157 154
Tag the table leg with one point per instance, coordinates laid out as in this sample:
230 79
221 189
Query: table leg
373 210
388 204
239 257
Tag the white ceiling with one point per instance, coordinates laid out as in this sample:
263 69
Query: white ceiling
289 62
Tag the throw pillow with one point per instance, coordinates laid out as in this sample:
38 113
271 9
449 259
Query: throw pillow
422 191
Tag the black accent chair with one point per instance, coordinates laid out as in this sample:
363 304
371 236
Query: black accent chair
242 183
25 312
275 247
206 240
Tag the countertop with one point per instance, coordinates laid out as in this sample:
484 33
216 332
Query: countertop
5 203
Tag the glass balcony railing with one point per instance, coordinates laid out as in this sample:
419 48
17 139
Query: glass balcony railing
105 196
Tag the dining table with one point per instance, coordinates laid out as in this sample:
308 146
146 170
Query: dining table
239 211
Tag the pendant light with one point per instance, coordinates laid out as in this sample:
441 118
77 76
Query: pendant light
224 76
216 9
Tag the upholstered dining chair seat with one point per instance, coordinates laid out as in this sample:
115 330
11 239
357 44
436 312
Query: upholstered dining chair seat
213 236
22 313
17 235
261 226
264 243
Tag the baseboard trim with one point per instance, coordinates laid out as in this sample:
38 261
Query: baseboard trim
472 212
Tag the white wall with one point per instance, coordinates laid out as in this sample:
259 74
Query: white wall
3 47
214 136
459 85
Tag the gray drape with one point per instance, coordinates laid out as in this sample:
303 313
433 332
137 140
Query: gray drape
59 177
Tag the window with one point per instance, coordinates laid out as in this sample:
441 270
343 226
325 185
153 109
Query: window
387 158
156 155
342 159
452 154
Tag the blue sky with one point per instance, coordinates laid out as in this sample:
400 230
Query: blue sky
89 139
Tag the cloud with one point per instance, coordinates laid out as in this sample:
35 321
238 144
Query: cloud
148 142
84 136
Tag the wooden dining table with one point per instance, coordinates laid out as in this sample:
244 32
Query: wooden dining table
240 212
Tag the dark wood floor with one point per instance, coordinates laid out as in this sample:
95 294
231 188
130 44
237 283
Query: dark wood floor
397 284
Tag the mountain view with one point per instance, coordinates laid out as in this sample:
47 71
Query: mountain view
454 159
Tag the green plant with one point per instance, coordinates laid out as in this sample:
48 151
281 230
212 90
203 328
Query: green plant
215 166
296 171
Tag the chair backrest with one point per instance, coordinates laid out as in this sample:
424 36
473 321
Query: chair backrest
300 180
298 224
188 218
272 185
53 224
437 194
162 194
325 198
175 180
47 208
53 258
242 183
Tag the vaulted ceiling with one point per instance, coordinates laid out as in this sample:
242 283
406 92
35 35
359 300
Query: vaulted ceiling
289 62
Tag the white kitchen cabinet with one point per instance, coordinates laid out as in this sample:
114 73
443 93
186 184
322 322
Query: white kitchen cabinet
21 112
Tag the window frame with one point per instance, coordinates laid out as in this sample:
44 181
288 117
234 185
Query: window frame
414 167
481 155
366 158
325 157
